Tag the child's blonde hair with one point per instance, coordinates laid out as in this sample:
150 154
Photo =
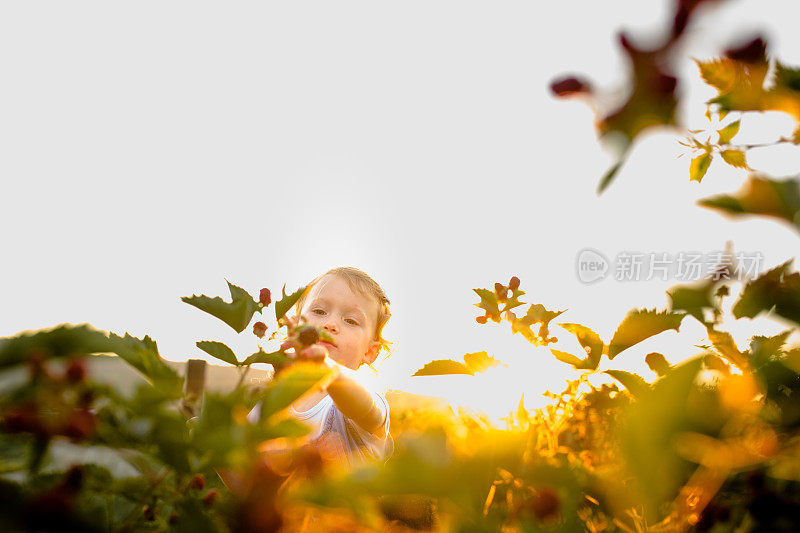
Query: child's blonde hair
359 282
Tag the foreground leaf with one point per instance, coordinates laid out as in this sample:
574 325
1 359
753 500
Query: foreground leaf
777 290
292 383
699 166
635 384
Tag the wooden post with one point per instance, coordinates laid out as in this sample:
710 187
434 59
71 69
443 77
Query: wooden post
193 387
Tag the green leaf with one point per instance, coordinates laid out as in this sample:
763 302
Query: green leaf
640 324
237 314
143 355
292 383
590 341
272 358
699 166
218 350
608 177
635 384
693 298
286 302
289 428
566 357
647 434
761 196
777 290
61 341
725 346
734 158
727 133
480 361
441 367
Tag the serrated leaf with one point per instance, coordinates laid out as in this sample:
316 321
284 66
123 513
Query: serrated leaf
271 358
693 298
566 357
699 166
218 350
291 384
591 342
762 196
60 341
723 344
727 133
143 355
287 301
776 290
734 158
237 313
635 384
480 361
488 303
442 367
640 324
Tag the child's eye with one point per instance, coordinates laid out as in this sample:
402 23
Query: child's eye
351 321
318 311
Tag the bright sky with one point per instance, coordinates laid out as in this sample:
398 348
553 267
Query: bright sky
151 150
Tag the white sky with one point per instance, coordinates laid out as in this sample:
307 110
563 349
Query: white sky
151 150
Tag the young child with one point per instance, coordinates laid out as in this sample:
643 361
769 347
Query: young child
350 424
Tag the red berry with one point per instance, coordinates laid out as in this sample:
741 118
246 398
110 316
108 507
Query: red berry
24 418
481 319
210 498
198 482
514 283
81 424
173 519
754 51
307 335
545 504
569 86
264 298
76 371
259 329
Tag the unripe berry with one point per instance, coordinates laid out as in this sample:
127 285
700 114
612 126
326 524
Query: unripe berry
500 290
210 498
259 329
264 298
481 319
307 335
514 283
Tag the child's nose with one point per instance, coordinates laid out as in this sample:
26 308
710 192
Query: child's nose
330 325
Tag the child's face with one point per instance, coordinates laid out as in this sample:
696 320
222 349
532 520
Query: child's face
349 317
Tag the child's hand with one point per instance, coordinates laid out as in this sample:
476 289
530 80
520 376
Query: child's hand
304 339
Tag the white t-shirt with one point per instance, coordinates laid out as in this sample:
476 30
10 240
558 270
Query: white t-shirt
337 437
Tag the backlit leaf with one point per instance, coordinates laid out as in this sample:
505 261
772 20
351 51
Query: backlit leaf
218 350
640 324
761 196
271 358
734 158
777 290
237 313
635 384
287 301
292 383
699 166
591 342
441 367
480 361
488 303
727 133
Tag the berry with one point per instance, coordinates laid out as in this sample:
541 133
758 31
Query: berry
149 513
198 482
307 335
264 297
754 51
210 498
24 418
81 424
569 86
545 504
481 319
173 519
514 283
500 290
259 329
76 371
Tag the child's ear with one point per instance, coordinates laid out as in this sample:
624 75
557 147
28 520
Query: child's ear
372 353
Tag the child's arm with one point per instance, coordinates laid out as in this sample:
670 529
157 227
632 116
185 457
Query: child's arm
355 401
